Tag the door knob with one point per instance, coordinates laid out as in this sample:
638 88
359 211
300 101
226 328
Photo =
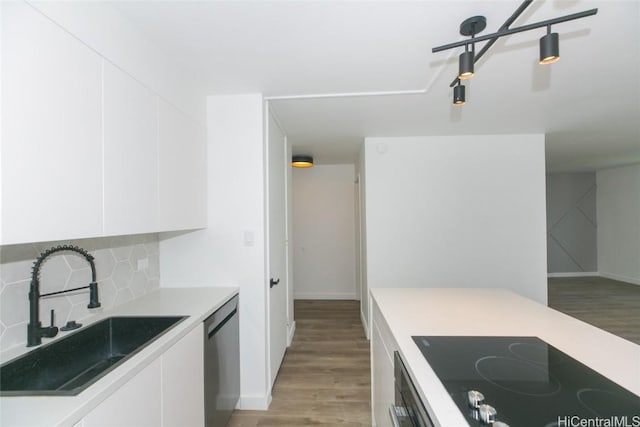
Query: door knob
273 282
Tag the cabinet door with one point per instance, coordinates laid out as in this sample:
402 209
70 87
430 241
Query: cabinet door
135 404
51 131
382 382
182 170
130 155
183 382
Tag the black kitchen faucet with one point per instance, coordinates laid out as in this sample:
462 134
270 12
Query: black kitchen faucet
35 331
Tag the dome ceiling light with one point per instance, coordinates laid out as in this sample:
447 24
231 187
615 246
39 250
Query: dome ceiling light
301 161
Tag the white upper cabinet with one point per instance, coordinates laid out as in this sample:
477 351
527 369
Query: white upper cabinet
182 170
130 155
51 131
86 150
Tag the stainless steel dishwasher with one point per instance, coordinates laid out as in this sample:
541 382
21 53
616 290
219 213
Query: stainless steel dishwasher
221 364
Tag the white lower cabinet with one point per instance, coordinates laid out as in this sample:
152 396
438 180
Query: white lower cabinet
135 404
168 392
382 371
183 382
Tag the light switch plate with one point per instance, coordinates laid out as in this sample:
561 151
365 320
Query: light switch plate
249 238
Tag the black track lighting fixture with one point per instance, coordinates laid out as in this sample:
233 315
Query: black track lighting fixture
549 44
459 95
549 47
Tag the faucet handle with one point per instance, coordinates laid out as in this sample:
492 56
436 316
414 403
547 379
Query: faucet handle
52 330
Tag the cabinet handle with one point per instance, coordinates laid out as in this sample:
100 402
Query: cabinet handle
272 283
393 413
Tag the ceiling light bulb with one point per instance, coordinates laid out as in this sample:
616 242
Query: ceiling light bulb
465 65
549 48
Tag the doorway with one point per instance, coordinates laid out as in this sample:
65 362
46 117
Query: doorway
324 229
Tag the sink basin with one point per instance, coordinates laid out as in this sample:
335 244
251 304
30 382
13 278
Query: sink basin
71 364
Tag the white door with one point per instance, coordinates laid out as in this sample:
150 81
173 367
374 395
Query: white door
277 246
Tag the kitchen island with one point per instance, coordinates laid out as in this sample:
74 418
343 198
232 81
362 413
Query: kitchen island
154 378
399 314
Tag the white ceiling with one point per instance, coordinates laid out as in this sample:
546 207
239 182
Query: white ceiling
297 52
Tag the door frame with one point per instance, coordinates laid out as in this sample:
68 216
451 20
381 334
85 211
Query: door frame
288 276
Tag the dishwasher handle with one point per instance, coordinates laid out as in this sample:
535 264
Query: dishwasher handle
218 319
216 327
399 416
394 416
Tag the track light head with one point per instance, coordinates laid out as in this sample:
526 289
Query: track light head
549 48
459 95
465 65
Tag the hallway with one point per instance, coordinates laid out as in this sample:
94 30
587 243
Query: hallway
324 379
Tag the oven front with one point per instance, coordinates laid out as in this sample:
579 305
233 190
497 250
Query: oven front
408 410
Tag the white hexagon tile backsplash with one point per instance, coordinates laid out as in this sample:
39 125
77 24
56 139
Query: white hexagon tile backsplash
127 267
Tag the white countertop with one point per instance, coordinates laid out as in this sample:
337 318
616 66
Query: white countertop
197 303
494 312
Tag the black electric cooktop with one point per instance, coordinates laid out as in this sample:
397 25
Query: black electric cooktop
528 382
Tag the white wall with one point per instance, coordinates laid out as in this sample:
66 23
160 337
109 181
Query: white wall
618 206
457 211
221 255
324 259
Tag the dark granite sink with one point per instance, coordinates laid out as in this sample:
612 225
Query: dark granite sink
71 364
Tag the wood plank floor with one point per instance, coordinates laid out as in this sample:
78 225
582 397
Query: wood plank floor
324 379
607 304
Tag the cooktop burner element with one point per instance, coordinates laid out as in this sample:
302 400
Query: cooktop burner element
532 380
525 382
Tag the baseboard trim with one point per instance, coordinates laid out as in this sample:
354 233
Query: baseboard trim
292 331
305 295
575 274
364 324
254 403
611 276
620 278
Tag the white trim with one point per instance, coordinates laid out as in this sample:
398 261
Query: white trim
347 94
364 324
423 91
255 403
292 331
620 278
575 274
306 295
